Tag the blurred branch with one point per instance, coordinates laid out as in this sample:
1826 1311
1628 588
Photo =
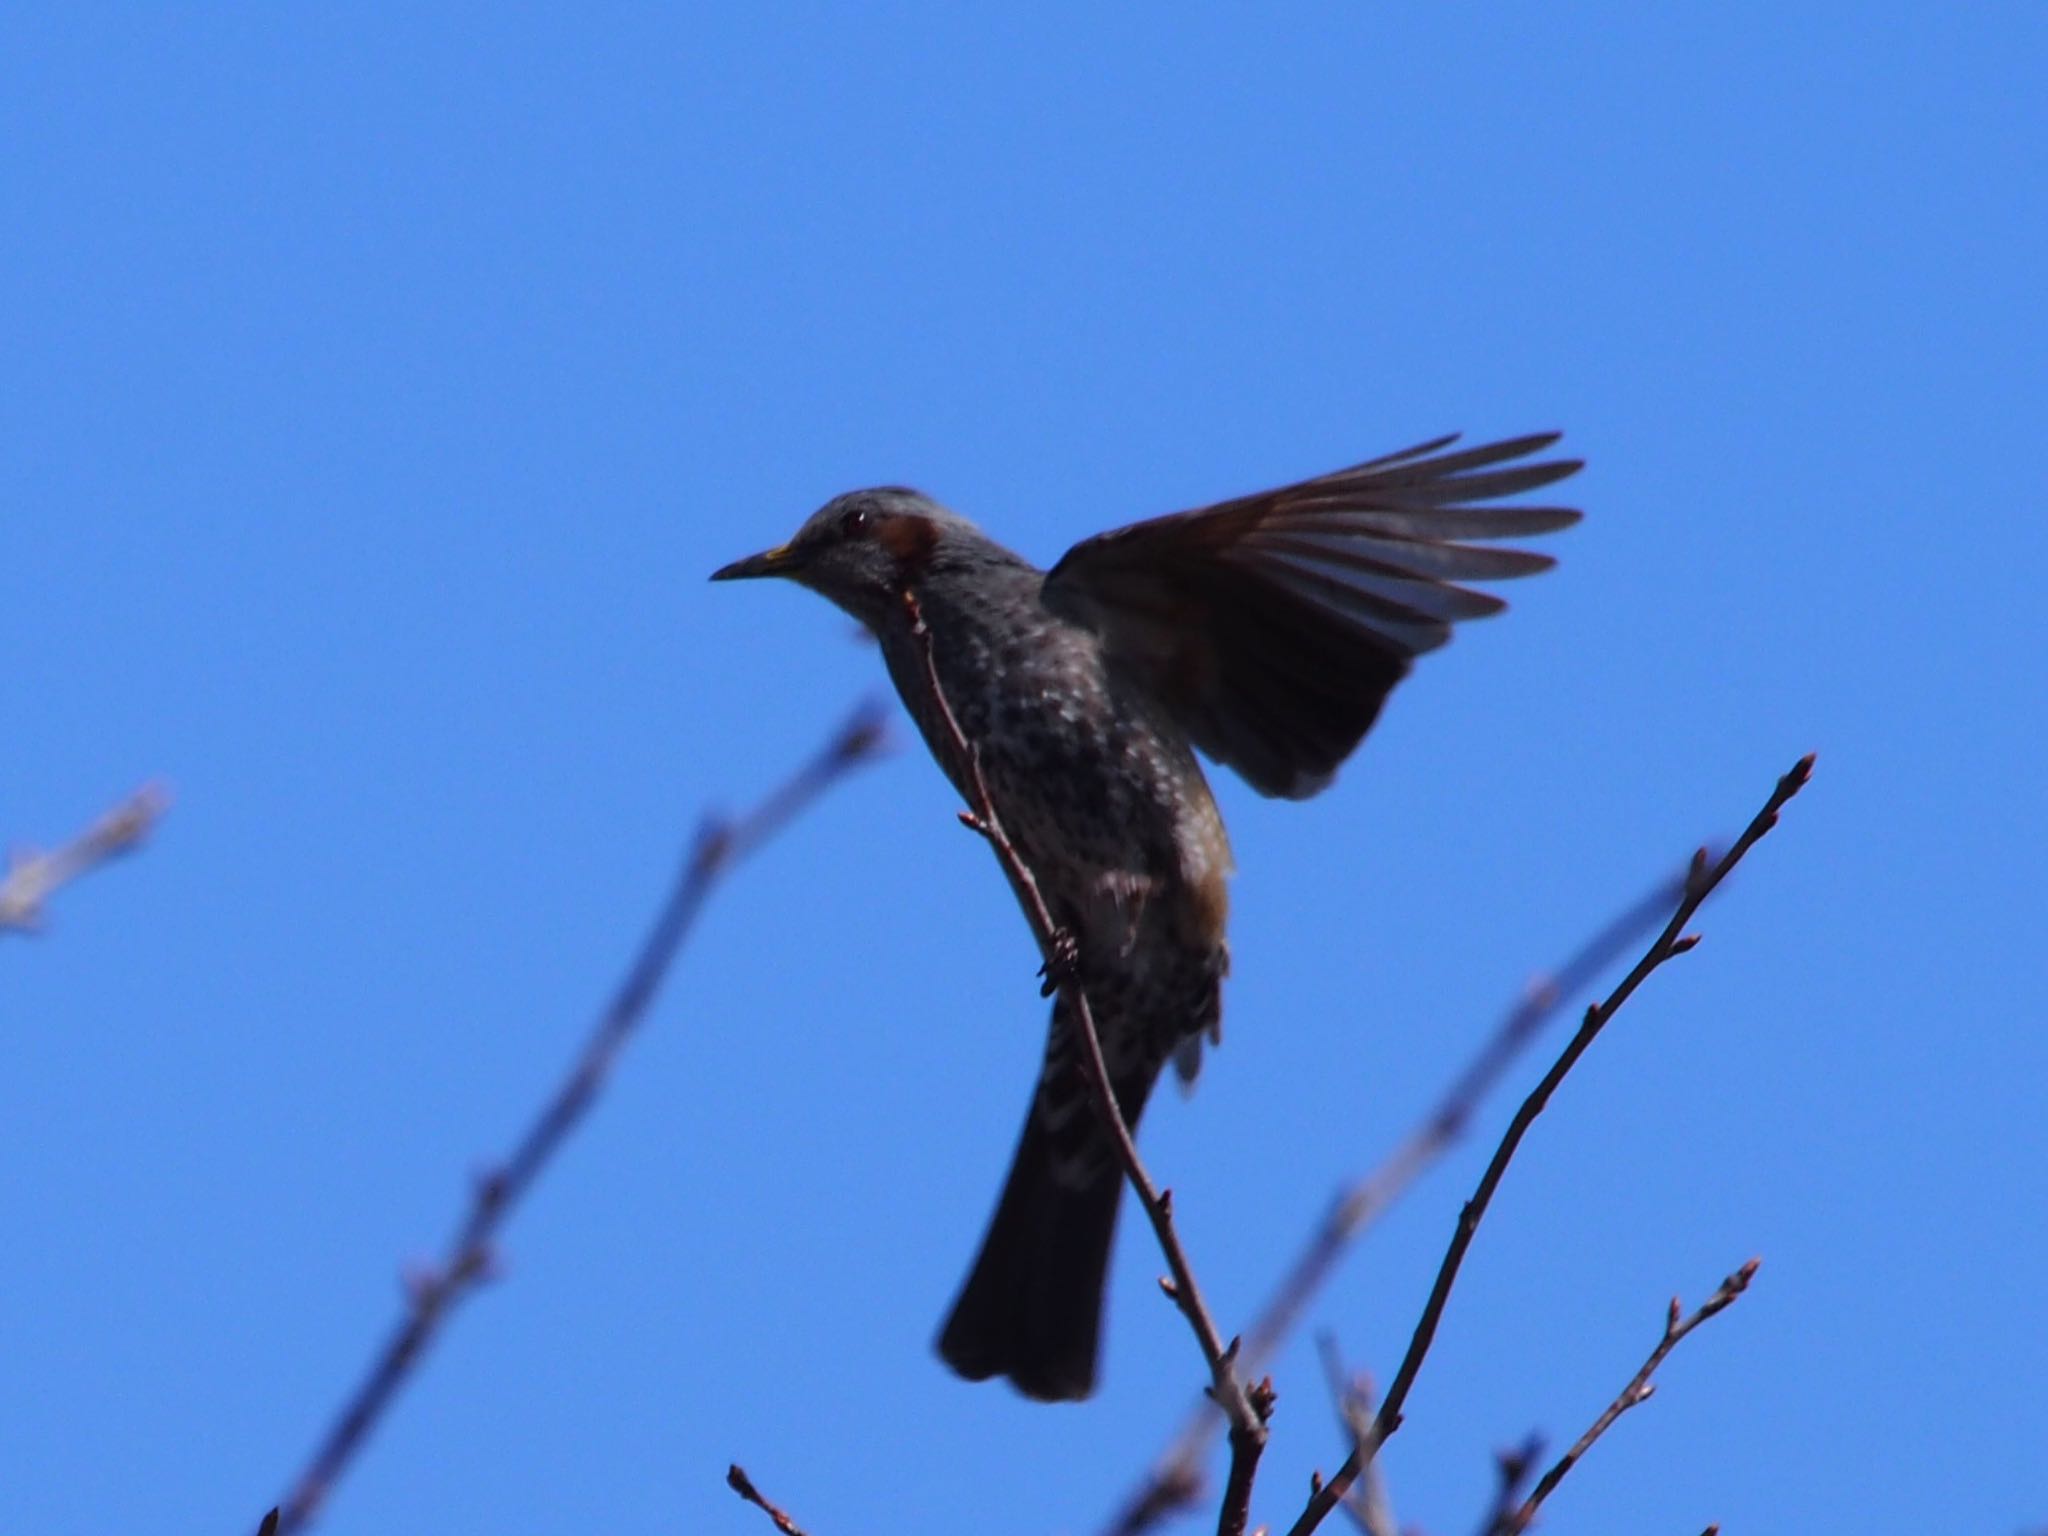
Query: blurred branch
736 1479
1246 1407
1673 941
32 877
1512 1467
1637 1391
432 1294
1175 1479
1367 1503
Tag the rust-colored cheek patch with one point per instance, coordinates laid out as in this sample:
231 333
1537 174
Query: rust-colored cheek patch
910 540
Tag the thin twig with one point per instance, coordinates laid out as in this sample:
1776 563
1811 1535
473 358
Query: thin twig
1175 1478
737 1480
31 877
1637 1391
1246 1407
1673 941
432 1294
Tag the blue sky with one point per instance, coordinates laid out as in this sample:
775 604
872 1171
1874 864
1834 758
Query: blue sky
378 391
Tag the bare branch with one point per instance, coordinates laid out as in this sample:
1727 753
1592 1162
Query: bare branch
737 1480
433 1293
32 877
1637 1391
1175 1479
1246 1407
1700 883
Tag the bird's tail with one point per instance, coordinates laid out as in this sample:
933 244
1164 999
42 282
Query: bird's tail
1031 1309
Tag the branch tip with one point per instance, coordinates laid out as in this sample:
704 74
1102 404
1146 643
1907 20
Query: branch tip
31 876
737 1480
1641 1387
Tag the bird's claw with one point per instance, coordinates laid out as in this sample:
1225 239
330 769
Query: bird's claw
1063 963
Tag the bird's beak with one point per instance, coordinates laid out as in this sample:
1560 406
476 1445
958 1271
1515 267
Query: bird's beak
779 561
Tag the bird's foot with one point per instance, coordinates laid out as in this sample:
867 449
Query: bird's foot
1063 964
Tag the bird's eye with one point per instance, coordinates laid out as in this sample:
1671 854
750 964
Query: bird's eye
853 523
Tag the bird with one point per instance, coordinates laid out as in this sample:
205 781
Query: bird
1264 632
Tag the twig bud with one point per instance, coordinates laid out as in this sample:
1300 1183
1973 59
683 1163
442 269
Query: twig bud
1696 872
1263 1397
490 1186
714 842
421 1282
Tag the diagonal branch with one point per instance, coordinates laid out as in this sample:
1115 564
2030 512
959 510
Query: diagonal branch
1175 1479
1637 1391
1245 1407
31 878
434 1293
1673 941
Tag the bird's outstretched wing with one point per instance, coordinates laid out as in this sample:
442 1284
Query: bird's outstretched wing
1274 626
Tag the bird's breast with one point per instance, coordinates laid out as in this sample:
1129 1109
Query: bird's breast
1100 793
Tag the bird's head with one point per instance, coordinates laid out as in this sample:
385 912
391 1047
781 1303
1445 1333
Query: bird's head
863 550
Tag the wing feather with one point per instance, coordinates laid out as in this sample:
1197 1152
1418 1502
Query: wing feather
1274 626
